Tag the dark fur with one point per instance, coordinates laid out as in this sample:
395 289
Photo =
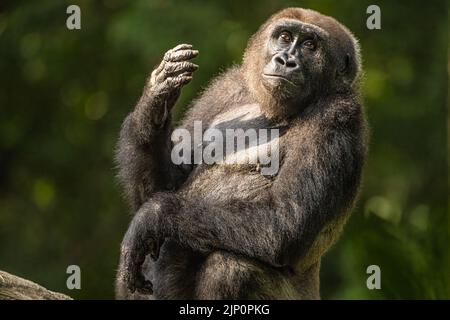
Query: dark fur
229 231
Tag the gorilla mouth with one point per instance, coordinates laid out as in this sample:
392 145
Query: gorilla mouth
278 76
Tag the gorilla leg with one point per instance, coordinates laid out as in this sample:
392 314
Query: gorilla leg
227 276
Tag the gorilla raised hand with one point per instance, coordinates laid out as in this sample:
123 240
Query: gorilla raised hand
227 231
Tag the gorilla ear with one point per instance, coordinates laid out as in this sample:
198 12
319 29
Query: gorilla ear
347 71
347 61
345 66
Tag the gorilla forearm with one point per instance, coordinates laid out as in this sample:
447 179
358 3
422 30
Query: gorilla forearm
143 165
143 154
255 230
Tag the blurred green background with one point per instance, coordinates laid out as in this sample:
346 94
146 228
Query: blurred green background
64 94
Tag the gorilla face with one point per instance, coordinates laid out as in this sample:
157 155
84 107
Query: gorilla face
295 59
299 56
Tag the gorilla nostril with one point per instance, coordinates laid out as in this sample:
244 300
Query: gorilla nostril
291 64
280 60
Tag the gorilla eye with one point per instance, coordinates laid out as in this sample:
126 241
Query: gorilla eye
285 37
309 44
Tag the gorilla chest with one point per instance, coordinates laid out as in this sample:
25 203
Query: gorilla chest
240 155
242 137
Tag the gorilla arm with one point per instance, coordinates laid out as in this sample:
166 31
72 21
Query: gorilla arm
144 143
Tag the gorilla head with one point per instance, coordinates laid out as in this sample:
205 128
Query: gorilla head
299 55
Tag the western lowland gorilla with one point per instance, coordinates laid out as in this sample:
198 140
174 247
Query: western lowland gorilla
226 229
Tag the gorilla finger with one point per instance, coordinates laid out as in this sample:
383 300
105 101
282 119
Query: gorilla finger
155 76
182 55
176 68
159 68
130 280
182 46
172 52
133 276
180 80
126 273
133 260
142 285
183 79
173 69
146 288
131 287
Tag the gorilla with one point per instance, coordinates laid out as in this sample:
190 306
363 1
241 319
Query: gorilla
225 230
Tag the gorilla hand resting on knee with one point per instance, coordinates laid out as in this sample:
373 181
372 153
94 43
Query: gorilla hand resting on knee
227 231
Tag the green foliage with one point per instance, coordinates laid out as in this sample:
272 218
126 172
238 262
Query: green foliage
64 94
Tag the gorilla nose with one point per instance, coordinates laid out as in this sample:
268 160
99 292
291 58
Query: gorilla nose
286 61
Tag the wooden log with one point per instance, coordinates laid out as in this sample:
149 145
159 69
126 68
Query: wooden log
16 288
